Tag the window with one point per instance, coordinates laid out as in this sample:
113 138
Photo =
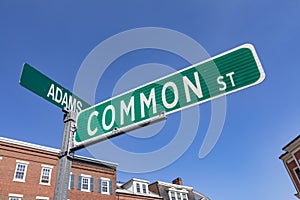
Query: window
85 184
46 175
173 196
105 186
15 197
178 196
20 173
184 197
144 188
138 188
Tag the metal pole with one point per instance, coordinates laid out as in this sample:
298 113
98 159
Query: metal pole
65 158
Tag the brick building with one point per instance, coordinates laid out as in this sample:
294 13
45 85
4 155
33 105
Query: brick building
28 171
291 160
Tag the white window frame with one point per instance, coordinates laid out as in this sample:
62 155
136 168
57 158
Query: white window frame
42 198
88 177
18 196
21 162
138 187
50 173
69 185
107 185
178 192
146 188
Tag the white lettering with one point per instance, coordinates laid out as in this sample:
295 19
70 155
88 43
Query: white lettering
113 117
188 84
231 78
79 106
58 95
144 100
127 109
221 82
92 132
65 101
72 103
175 92
51 91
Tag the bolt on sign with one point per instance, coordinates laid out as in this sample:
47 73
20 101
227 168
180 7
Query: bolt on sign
48 89
223 74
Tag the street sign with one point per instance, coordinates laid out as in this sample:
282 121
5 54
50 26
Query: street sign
48 89
223 74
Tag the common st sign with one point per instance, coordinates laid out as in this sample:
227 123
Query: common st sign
223 74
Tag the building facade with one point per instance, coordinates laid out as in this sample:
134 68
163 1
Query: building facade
28 171
176 191
135 189
291 161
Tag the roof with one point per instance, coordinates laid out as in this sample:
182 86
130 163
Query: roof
173 185
54 150
122 190
291 142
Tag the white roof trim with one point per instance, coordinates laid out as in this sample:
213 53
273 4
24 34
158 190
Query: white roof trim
30 145
174 185
49 149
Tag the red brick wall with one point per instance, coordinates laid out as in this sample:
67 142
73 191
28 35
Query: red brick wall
32 187
291 166
96 172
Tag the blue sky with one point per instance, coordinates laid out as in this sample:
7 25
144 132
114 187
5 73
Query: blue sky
55 37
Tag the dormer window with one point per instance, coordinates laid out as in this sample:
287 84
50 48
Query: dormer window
141 187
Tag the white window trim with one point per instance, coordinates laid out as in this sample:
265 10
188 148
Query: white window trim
47 166
19 196
147 191
50 174
22 162
105 180
89 182
69 185
176 192
15 195
25 172
294 170
42 198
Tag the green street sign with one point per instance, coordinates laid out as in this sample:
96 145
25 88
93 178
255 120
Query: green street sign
223 74
48 89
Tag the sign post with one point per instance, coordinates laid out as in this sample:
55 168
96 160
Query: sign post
65 158
223 74
51 91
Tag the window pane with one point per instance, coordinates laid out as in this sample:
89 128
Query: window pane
178 196
20 171
85 183
184 197
14 198
138 187
173 196
45 175
144 188
104 186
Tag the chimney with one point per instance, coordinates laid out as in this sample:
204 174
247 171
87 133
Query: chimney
177 181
